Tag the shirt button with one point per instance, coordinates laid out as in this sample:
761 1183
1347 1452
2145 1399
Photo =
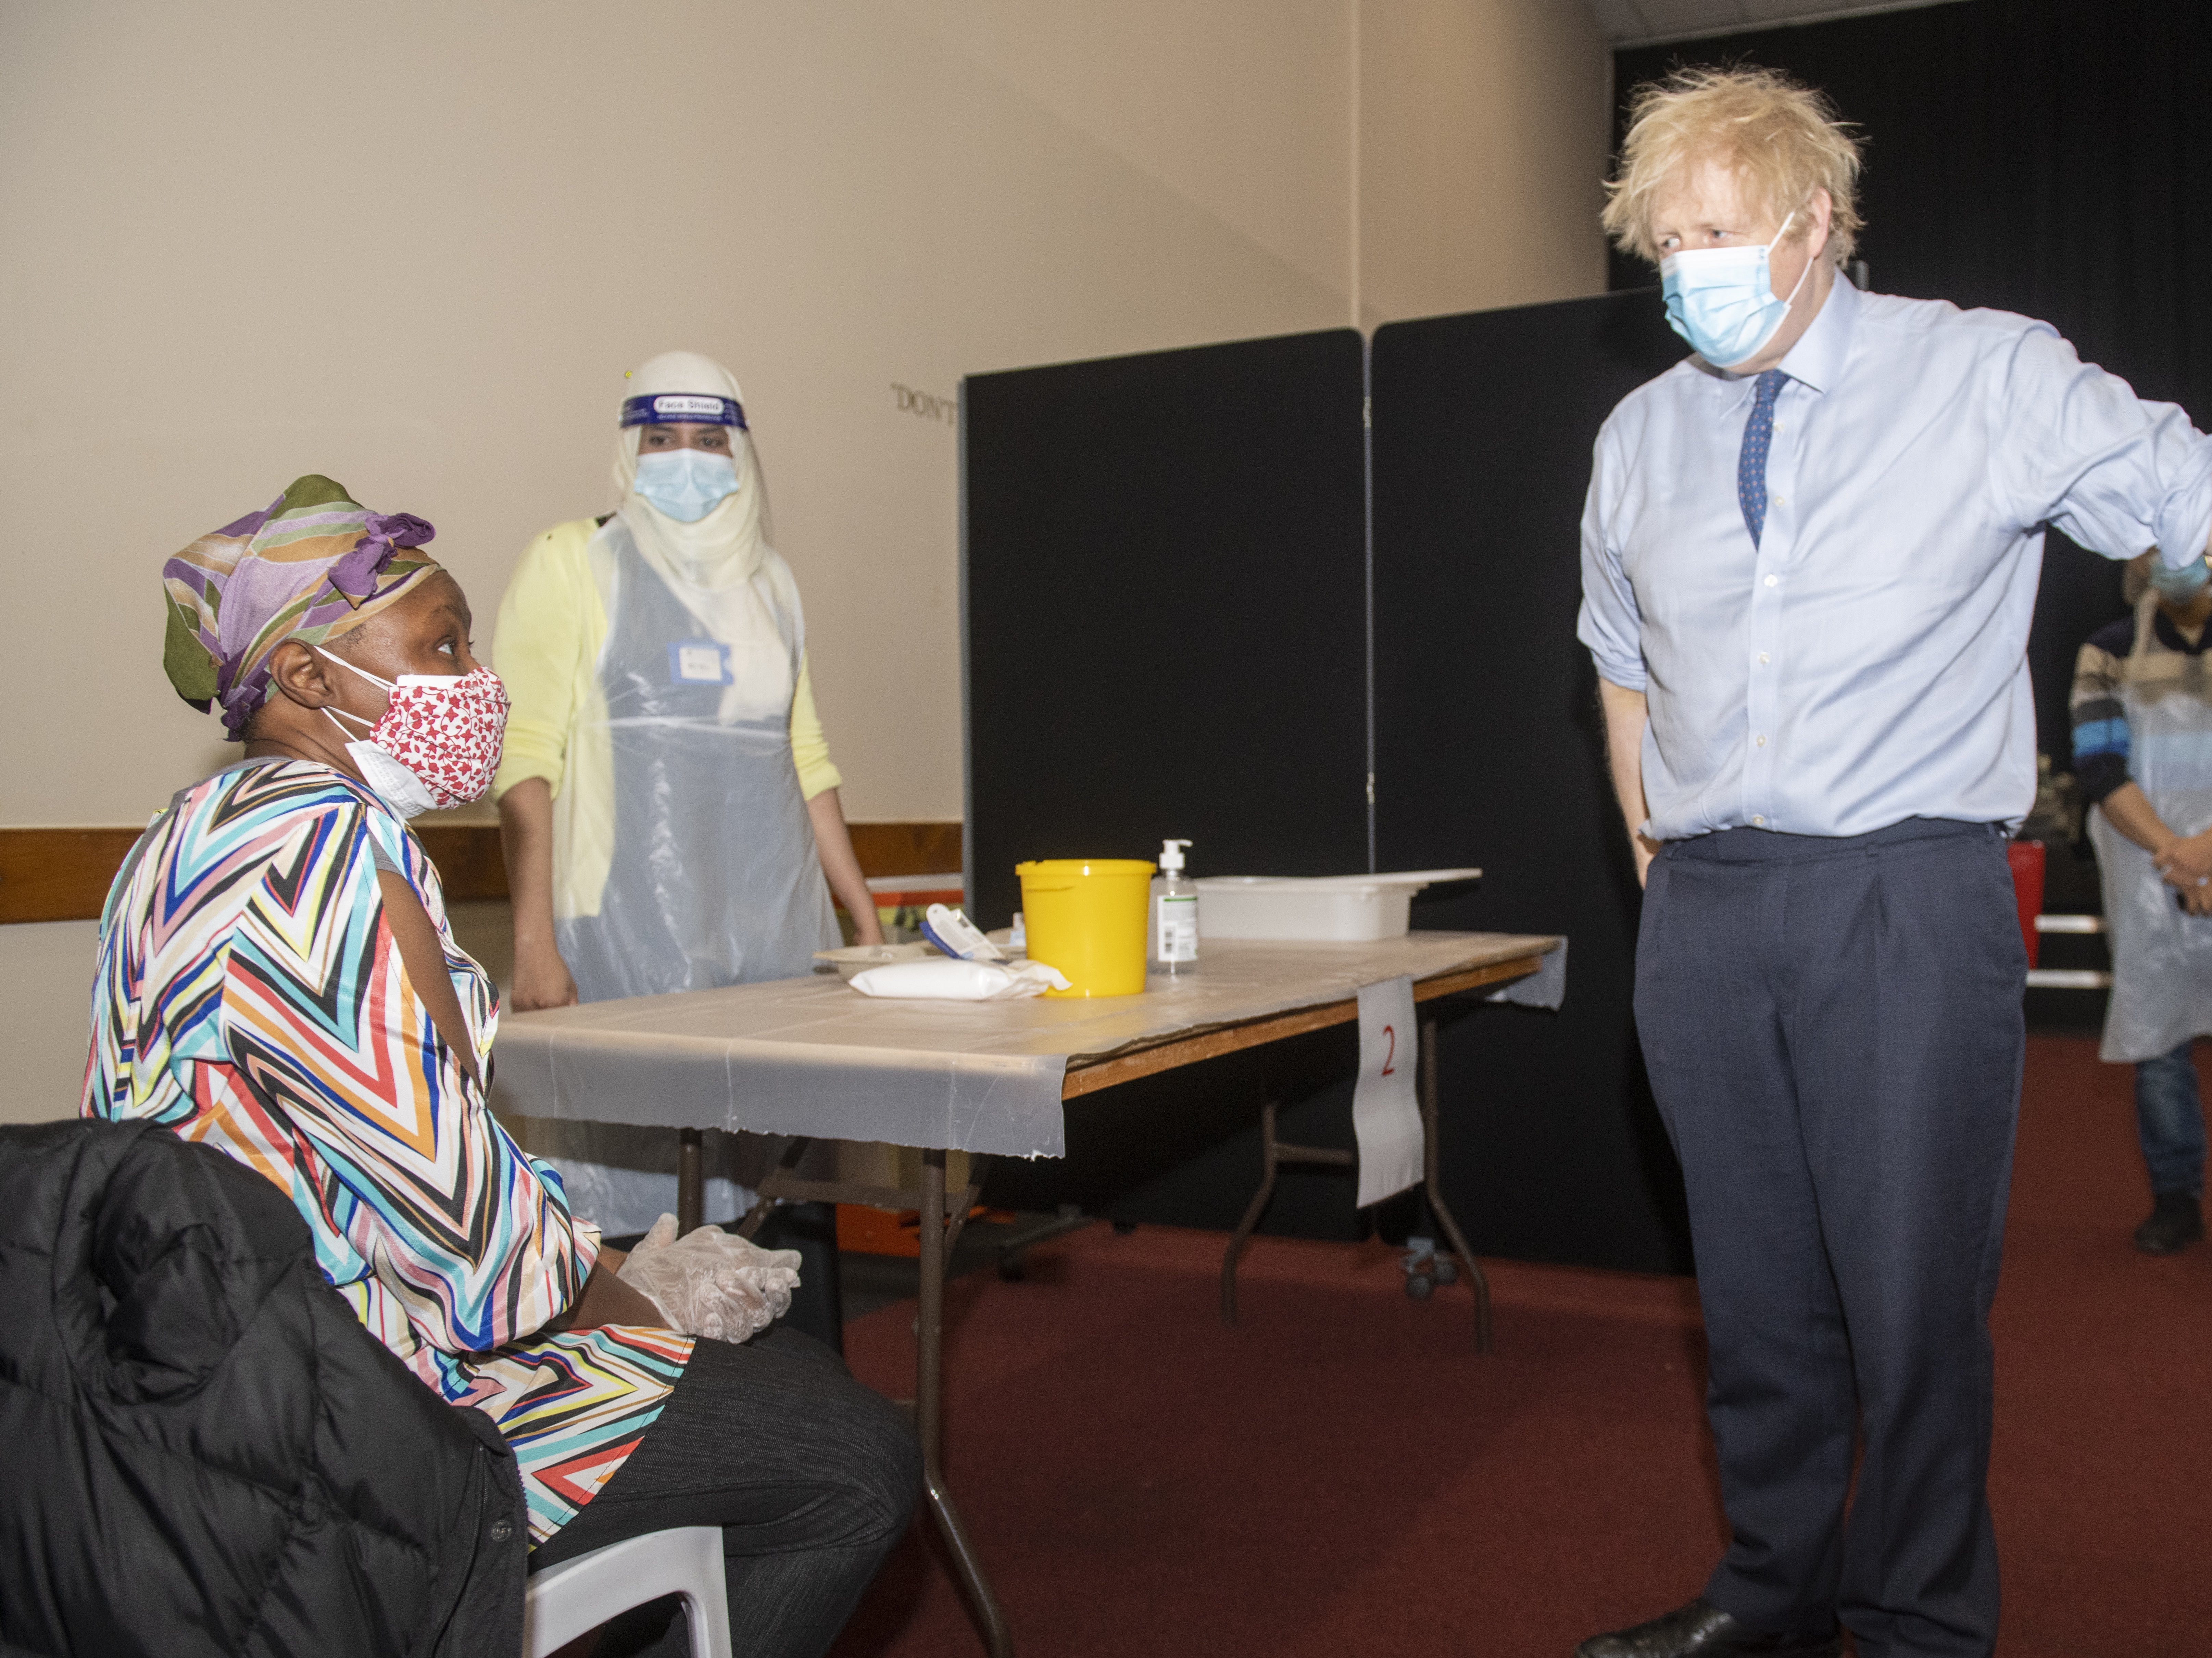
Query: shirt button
1762 659
1781 500
1771 580
1760 741
1757 821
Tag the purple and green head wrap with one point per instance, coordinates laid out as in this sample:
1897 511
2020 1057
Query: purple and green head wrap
312 566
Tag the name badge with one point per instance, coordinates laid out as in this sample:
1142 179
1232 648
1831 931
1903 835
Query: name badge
700 662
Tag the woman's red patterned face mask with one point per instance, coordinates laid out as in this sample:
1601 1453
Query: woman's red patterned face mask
441 733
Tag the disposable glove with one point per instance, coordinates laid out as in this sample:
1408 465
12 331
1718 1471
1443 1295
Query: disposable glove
711 1283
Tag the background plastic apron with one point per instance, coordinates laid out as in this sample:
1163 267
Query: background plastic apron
2161 957
715 880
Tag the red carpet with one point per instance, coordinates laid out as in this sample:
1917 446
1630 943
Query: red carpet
1340 1474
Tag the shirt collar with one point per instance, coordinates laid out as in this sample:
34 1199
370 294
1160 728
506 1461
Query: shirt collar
1817 359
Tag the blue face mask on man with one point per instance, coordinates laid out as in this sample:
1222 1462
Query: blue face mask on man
1722 300
687 485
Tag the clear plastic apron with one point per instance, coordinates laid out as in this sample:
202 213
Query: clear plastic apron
715 878
2161 957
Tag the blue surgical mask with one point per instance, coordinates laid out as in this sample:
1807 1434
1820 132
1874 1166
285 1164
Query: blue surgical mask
687 485
1722 300
2185 583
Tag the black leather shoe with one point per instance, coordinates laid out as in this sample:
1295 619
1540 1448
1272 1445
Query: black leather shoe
1702 1630
2175 1221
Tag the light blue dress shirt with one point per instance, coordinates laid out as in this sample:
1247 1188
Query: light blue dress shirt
1867 661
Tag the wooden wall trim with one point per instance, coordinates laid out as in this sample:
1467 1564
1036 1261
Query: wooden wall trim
469 860
63 874
930 848
59 874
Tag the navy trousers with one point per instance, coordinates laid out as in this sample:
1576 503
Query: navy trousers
1834 1034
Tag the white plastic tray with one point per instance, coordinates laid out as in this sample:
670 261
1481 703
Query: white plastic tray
1328 908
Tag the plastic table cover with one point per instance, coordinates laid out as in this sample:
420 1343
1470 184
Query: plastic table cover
811 1056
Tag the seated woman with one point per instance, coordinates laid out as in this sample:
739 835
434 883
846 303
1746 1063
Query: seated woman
277 978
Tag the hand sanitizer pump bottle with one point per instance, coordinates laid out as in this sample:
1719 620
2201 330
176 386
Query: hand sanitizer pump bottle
1175 912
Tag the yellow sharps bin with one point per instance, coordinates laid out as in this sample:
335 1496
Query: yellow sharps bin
1086 917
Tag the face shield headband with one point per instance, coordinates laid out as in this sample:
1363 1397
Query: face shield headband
695 408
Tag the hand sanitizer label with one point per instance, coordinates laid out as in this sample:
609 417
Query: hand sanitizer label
1176 925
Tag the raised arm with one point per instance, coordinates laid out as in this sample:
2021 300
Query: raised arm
2078 450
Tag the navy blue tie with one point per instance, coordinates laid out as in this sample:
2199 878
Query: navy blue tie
1751 465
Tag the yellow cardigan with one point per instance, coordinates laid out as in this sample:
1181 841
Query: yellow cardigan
552 624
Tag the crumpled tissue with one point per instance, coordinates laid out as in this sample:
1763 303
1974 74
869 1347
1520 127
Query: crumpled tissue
711 1283
948 981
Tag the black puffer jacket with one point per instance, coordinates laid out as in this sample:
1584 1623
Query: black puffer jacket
202 1451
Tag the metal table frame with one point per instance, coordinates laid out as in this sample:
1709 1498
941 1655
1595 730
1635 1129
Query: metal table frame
940 1225
1274 1152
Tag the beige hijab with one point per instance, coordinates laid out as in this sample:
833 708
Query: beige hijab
721 568
724 548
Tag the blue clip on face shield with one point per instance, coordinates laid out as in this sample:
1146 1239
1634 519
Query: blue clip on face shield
688 408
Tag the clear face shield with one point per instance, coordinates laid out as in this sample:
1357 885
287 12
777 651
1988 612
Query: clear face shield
685 484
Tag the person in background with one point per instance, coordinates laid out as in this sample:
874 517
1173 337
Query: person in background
1810 555
278 980
667 804
2143 751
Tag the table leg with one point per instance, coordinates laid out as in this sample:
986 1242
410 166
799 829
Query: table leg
690 1181
767 1200
929 1409
1431 1162
1273 1154
1253 1210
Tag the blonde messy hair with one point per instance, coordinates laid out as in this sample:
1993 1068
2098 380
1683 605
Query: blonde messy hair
1782 138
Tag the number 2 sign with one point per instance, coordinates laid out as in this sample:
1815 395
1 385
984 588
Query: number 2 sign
1386 1114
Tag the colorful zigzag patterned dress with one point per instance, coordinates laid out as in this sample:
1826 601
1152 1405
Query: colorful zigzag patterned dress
250 996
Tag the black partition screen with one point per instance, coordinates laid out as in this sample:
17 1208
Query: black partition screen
1167 633
1165 603
1489 751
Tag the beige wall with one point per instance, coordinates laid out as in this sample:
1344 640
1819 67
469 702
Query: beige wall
44 968
1484 126
415 245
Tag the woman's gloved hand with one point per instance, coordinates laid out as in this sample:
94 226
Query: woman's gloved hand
712 1284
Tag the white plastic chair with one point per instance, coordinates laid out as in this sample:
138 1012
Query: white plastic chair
565 1601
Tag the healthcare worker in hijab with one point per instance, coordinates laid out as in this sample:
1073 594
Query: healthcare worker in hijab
668 808
2142 750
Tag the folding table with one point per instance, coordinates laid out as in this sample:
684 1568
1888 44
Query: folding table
812 1059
